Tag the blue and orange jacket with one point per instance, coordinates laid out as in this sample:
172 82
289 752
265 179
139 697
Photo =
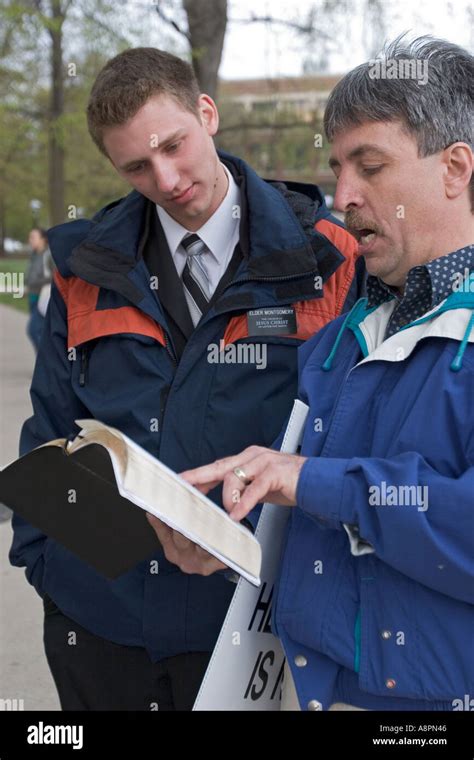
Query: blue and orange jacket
107 353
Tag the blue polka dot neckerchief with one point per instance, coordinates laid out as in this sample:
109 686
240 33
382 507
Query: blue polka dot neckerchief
426 286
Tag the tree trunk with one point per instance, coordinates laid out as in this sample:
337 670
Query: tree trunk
56 148
207 21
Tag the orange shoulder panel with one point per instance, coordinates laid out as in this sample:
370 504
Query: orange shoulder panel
86 323
337 287
312 315
61 284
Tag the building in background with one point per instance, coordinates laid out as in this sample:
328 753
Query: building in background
276 124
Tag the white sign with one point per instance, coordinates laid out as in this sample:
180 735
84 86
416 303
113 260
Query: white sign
246 668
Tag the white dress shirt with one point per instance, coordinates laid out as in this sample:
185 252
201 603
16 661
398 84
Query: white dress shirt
220 233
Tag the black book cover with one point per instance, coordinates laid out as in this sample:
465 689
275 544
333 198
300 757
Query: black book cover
73 499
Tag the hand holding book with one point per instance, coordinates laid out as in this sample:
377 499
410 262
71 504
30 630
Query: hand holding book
189 557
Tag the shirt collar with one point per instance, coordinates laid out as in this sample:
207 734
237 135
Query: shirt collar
217 232
438 276
445 272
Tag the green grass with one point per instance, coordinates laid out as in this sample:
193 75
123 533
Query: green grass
11 265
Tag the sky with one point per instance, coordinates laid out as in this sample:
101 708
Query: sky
257 50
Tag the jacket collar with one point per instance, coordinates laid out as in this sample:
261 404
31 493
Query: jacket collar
114 244
452 319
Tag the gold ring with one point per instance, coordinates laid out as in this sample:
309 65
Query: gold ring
242 476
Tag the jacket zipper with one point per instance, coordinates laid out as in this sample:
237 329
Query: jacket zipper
273 278
170 349
83 370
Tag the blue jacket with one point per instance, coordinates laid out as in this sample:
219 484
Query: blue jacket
107 353
375 600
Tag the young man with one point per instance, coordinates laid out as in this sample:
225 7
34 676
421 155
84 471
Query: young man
375 600
140 305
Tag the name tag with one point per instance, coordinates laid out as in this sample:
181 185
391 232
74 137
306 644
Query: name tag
279 320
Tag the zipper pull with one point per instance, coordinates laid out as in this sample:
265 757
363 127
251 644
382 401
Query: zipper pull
170 349
82 374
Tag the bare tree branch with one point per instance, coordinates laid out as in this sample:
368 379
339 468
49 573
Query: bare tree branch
254 19
174 25
308 28
267 125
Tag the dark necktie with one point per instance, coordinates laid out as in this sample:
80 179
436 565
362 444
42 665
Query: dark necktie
195 277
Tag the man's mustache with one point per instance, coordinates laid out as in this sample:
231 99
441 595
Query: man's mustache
355 222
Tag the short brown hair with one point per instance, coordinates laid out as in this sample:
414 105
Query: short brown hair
129 80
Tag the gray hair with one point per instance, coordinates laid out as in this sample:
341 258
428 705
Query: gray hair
438 112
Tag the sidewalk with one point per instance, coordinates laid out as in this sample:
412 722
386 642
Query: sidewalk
24 672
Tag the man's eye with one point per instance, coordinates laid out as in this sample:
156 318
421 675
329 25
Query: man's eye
172 148
135 169
371 169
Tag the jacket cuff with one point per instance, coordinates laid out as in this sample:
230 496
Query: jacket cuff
320 491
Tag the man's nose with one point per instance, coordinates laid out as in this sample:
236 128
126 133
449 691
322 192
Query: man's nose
166 176
348 194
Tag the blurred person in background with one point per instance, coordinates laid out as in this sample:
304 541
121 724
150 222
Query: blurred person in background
38 280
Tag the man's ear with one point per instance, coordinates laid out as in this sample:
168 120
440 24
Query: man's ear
458 160
209 114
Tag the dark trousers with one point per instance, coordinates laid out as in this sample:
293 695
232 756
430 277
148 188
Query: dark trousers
92 673
35 325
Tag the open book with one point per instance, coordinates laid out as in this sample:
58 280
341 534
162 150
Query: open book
84 494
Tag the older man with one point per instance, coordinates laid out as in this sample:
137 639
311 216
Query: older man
375 600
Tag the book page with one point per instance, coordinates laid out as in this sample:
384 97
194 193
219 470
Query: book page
114 444
155 488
